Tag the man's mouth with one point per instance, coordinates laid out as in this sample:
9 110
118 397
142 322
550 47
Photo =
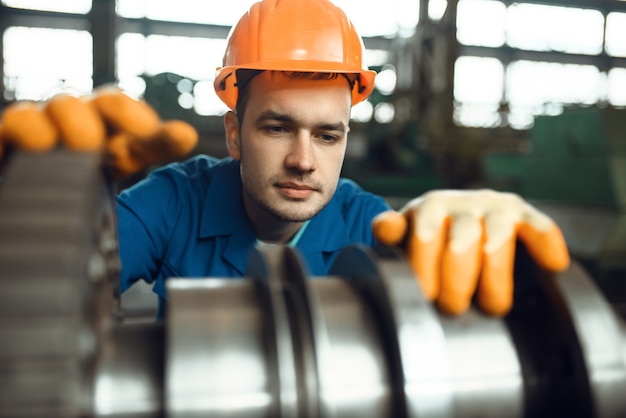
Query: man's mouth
295 190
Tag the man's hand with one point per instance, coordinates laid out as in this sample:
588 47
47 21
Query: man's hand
462 242
128 131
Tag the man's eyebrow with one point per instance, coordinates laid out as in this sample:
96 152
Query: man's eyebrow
271 115
281 117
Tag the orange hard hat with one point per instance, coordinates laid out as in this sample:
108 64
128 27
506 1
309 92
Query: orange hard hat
294 35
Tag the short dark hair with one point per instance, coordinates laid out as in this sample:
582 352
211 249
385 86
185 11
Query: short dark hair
245 75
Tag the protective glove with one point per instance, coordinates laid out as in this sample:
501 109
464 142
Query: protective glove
463 242
128 131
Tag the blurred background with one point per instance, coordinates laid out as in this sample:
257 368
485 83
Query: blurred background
525 96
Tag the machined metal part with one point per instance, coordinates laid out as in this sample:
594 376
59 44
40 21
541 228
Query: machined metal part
361 342
601 339
129 377
57 263
218 361
375 347
465 366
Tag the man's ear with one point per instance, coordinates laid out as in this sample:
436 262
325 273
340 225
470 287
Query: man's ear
231 127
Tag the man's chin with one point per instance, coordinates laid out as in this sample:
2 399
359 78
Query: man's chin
294 214
293 217
287 210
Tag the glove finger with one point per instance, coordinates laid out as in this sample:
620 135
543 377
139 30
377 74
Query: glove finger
495 288
119 160
547 247
125 114
79 124
390 227
425 256
179 136
174 139
26 126
461 264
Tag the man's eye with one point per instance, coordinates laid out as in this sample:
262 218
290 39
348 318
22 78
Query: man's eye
275 129
329 138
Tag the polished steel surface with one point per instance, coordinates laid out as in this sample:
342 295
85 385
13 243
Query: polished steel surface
600 333
486 376
354 380
267 268
129 376
415 341
218 362
425 367
463 366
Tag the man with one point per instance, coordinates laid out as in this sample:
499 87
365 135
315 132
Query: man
292 71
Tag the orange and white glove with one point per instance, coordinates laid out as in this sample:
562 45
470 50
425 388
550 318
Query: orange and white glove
128 131
463 242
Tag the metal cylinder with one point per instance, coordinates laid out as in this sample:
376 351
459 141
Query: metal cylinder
129 378
461 367
219 359
364 342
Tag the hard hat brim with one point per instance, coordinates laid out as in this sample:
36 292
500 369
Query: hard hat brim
226 80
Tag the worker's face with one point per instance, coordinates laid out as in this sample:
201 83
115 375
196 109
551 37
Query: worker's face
291 144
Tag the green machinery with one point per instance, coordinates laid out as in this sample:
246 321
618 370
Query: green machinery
575 170
578 157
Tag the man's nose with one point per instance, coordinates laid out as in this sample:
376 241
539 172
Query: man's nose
301 154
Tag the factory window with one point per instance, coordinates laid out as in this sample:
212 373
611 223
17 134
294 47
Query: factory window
543 88
552 28
481 22
191 11
397 16
436 9
527 33
373 18
192 58
384 112
65 6
39 62
617 87
615 34
362 112
532 26
386 80
478 84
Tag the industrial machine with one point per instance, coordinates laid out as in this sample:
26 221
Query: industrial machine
574 169
362 342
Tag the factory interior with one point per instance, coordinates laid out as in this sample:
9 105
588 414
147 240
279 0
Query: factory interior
521 96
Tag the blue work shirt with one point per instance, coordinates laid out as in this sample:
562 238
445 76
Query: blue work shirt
188 220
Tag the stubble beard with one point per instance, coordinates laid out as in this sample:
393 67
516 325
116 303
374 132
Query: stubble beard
284 214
